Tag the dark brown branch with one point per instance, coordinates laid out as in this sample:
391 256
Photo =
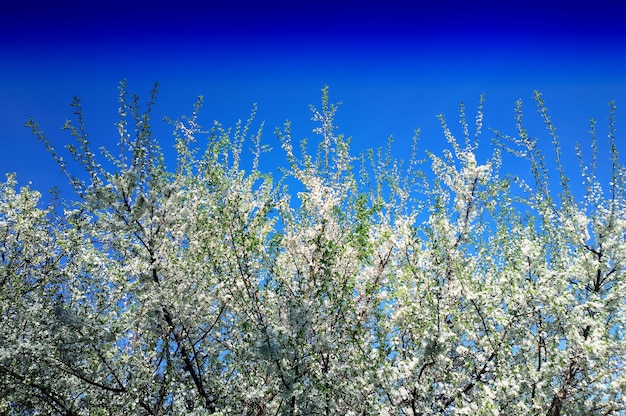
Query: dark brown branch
189 366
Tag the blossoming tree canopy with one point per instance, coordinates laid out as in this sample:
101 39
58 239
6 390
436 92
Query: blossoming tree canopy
440 285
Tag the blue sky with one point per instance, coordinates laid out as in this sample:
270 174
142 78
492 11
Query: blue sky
393 65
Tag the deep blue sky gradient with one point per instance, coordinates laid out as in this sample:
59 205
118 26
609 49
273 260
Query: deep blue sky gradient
393 65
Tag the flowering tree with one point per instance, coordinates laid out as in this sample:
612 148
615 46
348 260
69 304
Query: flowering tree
208 289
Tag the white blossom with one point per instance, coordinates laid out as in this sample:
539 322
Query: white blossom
207 290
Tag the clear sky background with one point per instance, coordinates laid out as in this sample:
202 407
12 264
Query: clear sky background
393 65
